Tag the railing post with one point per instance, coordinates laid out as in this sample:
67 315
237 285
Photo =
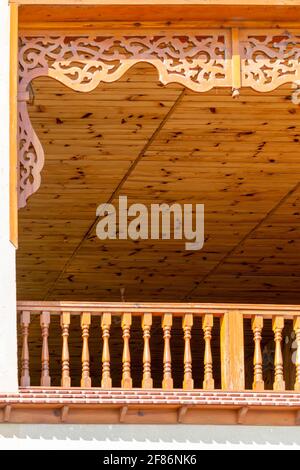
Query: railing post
232 351
297 359
65 320
207 325
278 325
146 326
257 326
187 323
167 321
85 357
126 374
25 375
45 323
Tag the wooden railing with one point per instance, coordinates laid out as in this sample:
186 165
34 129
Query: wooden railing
230 336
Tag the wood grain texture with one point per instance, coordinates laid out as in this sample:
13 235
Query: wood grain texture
239 157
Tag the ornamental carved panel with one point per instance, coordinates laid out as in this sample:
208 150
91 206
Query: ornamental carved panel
269 59
199 62
262 60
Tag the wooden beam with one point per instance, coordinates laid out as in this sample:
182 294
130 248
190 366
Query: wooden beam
13 137
159 2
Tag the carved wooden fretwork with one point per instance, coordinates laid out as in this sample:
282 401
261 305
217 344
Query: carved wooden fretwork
270 59
199 61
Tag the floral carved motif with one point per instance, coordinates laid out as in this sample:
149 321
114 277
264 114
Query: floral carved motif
270 60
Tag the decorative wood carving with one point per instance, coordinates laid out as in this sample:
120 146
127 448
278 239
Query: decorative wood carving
262 60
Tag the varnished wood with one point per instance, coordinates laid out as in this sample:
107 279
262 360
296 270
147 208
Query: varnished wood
278 325
257 326
236 62
187 323
207 325
45 374
297 358
167 321
85 358
147 381
232 351
126 373
232 131
13 127
25 358
106 381
65 357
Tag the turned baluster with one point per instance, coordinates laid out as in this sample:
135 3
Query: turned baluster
207 325
297 361
85 358
126 375
167 321
257 326
146 325
65 320
45 376
25 376
187 323
278 325
106 381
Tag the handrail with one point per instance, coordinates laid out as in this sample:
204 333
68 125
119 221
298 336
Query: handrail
157 308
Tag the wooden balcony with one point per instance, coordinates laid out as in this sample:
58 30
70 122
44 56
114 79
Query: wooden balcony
151 362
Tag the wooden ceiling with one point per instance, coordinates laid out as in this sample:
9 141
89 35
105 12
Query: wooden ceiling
164 144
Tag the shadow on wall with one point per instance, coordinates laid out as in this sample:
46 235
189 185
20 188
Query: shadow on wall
146 436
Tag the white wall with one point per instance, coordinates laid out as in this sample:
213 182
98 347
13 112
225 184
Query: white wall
8 337
129 437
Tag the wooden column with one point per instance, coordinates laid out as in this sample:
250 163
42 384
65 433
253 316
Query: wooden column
167 321
25 376
106 381
257 326
146 325
45 323
232 351
187 323
85 358
297 361
65 320
13 127
278 325
126 375
207 325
